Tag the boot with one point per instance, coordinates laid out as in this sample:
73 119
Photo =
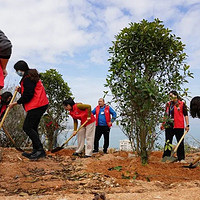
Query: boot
38 154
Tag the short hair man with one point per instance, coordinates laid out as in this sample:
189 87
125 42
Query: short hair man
104 121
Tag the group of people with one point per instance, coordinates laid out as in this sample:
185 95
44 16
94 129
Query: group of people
33 96
35 102
94 127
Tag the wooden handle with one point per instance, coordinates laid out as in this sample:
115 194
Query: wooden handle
7 110
175 150
75 133
196 160
8 135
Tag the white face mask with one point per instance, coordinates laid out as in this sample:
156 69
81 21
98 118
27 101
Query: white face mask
20 73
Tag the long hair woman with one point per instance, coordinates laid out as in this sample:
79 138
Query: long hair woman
35 102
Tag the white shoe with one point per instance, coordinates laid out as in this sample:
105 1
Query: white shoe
182 161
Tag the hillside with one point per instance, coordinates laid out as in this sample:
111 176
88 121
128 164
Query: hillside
119 175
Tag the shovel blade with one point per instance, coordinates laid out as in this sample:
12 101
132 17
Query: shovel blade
19 149
169 159
190 166
56 149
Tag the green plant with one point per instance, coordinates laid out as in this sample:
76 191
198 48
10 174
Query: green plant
146 62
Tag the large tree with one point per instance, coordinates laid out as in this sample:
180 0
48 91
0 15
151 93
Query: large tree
57 91
146 62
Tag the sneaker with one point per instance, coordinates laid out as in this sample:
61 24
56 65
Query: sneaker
37 155
95 151
182 161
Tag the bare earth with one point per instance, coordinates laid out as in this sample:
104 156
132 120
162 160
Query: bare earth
115 176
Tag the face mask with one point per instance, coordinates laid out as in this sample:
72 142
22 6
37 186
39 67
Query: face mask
20 73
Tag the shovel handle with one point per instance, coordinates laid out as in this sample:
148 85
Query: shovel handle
195 161
8 135
74 133
7 110
175 150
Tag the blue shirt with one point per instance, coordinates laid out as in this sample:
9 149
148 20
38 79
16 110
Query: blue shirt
102 117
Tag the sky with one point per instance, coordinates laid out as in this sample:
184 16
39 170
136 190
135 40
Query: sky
73 37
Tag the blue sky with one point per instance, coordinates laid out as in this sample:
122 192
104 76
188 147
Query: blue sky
74 36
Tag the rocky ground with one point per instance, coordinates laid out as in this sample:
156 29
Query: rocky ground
113 176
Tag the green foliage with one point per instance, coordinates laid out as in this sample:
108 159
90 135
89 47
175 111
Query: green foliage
168 146
147 61
57 91
118 168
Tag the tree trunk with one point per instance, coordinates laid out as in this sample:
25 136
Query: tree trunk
143 146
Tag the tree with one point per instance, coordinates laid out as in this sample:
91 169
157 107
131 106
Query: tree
57 91
147 61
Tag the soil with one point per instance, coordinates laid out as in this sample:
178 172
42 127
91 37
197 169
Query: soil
113 176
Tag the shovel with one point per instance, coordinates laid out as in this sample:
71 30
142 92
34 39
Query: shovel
192 165
61 147
9 136
7 109
171 158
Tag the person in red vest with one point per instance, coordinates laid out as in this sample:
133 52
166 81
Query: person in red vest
82 112
4 102
195 107
5 53
35 102
103 114
177 115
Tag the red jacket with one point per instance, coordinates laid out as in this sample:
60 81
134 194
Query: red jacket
82 115
1 77
107 115
39 99
178 114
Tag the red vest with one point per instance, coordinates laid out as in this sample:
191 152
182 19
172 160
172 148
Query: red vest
82 115
1 77
178 114
107 115
39 99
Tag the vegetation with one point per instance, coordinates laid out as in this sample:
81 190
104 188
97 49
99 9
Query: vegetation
147 61
57 91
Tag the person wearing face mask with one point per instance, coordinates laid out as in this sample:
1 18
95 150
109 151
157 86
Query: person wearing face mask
4 101
5 53
176 113
35 102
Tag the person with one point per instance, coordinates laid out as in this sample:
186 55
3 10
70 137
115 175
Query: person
82 112
35 102
5 53
4 102
175 112
103 114
195 107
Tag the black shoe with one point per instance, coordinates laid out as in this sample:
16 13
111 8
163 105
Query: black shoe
37 155
95 151
27 155
76 154
85 156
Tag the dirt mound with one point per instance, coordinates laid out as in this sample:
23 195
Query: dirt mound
119 175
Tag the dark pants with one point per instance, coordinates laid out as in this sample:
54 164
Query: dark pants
31 124
105 131
178 132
